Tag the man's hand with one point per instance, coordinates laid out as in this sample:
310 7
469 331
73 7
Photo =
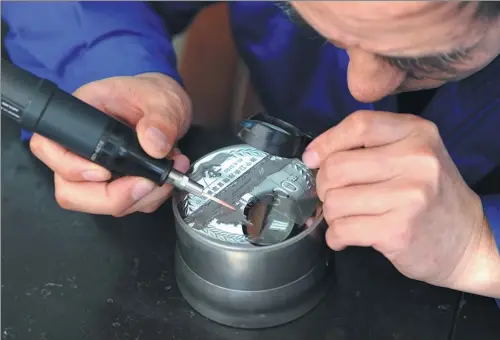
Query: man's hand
387 181
161 112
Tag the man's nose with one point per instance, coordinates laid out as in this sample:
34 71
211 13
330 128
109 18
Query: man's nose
370 77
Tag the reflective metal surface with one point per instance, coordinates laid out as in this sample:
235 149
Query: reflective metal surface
265 263
245 177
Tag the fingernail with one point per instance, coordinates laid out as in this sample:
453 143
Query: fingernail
142 188
157 138
94 175
311 159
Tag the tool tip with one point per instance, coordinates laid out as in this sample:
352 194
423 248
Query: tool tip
221 202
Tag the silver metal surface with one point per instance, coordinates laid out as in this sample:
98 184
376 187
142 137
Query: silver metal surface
221 271
183 182
240 175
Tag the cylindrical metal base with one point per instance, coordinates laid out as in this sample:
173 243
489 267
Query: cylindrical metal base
220 269
254 309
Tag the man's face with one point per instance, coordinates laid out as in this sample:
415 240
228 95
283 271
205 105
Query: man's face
404 46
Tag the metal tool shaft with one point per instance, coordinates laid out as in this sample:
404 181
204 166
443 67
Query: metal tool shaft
183 182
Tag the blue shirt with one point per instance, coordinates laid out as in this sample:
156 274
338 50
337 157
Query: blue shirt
297 77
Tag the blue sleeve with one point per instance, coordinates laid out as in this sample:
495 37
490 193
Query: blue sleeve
491 207
74 43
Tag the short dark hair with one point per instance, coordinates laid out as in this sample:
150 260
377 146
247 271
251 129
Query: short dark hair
488 10
485 10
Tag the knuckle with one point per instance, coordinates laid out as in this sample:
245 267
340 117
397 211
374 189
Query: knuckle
418 197
321 184
332 232
67 173
337 168
175 99
428 132
412 118
428 158
330 165
36 145
430 128
120 214
120 208
330 239
62 198
150 208
360 121
327 213
329 207
429 164
333 235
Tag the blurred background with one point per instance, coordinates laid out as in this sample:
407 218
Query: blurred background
218 82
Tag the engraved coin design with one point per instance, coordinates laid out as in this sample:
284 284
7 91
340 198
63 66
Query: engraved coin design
242 175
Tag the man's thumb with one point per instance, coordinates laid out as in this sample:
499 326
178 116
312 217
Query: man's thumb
156 137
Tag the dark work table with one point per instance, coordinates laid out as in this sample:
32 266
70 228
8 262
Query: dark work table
72 276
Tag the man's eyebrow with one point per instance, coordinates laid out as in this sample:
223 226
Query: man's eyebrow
288 9
295 17
444 62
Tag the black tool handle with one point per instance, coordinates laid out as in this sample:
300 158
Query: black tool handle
38 105
45 109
